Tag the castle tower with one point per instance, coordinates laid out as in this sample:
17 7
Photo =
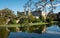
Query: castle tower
44 14
29 12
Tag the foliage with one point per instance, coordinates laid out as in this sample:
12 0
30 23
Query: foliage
12 21
36 20
31 18
2 21
23 20
48 19
8 13
58 16
5 14
19 14
52 17
41 18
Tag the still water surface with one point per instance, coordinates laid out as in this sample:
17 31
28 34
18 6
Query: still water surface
52 31
41 31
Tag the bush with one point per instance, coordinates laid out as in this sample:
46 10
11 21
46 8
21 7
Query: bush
12 21
23 20
36 20
2 20
48 19
31 18
41 18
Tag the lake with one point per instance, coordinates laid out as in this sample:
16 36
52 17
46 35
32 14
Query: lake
40 31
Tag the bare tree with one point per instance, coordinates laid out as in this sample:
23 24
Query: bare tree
27 6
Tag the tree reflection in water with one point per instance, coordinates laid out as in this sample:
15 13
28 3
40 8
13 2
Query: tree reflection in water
3 32
35 28
30 29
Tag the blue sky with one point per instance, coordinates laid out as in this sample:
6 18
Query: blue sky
17 5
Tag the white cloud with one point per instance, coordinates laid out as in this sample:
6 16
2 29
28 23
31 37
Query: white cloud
53 5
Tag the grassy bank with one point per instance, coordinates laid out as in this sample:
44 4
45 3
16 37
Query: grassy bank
19 25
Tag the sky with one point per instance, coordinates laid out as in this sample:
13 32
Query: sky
17 5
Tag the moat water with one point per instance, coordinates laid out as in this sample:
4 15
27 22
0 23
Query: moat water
38 31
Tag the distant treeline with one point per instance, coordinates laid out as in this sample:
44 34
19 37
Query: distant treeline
9 14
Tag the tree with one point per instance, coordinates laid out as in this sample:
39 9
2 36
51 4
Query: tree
6 14
31 18
23 20
41 18
51 17
19 14
58 16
